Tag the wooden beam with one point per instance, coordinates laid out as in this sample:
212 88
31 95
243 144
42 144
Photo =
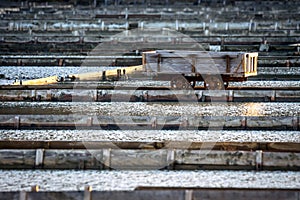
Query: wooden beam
204 122
170 145
148 159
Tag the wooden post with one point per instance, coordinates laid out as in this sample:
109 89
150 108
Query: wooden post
124 74
49 95
200 96
106 158
244 122
118 74
33 95
145 95
35 188
193 64
39 157
23 195
95 95
227 64
17 122
273 97
103 75
230 95
60 62
295 123
171 158
89 121
154 122
158 62
259 159
87 193
188 195
144 60
185 122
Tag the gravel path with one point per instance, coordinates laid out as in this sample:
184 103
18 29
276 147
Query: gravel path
71 180
151 135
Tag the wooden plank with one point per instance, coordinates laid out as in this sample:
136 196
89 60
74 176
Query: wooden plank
283 146
71 159
228 146
41 81
44 195
166 193
244 194
145 159
194 157
185 61
152 96
113 72
16 158
280 159
139 159
225 122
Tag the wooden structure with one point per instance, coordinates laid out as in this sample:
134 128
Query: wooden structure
147 159
184 68
167 193
114 73
106 93
63 121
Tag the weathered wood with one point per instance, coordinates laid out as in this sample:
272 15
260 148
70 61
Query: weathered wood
103 122
91 145
139 159
166 193
16 158
158 94
109 86
71 159
295 147
281 160
205 63
148 159
216 158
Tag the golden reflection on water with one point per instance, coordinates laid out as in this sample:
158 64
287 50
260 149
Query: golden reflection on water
253 109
